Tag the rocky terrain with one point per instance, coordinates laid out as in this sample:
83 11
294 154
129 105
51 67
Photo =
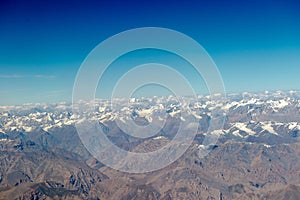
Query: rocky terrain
256 155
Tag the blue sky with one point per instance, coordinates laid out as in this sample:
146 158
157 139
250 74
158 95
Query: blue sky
255 44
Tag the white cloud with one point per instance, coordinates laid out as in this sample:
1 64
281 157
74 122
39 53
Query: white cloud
11 76
17 76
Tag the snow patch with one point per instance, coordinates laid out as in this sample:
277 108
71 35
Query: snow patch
269 128
243 127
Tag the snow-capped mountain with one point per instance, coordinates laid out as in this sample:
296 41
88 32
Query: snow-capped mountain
246 115
256 155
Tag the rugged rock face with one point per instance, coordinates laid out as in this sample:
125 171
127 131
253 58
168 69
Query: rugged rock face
32 172
256 156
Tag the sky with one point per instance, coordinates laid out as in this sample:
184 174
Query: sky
255 44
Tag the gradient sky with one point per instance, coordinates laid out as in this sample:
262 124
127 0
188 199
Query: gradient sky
255 44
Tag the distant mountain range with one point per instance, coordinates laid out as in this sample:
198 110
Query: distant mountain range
257 155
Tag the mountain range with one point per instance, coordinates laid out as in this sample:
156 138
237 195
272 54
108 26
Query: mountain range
256 155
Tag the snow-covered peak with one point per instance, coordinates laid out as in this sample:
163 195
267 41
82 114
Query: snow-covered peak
247 114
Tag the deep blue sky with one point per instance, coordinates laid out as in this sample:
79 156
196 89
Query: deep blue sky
255 44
